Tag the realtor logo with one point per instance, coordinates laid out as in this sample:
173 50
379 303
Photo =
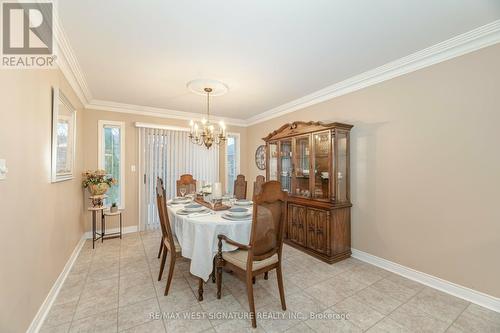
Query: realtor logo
27 35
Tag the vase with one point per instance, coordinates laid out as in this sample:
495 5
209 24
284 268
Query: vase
98 189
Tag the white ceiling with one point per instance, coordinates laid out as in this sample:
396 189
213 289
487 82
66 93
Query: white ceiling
267 52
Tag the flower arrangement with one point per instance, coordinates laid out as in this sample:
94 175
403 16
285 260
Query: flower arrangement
97 177
98 183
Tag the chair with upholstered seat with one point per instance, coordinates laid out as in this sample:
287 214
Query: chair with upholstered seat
263 253
188 183
169 241
240 187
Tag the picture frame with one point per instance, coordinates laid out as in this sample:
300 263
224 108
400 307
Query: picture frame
63 147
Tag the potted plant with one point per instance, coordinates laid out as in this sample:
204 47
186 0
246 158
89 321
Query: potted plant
113 208
97 183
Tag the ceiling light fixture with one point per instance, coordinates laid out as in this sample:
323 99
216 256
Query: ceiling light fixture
206 133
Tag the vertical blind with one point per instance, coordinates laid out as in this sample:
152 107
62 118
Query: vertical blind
168 154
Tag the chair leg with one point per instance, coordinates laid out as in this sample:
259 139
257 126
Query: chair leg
213 270
266 275
161 247
219 282
170 272
280 286
251 303
162 265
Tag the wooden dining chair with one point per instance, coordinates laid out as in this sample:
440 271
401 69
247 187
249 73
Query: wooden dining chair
263 253
257 184
188 182
240 187
169 241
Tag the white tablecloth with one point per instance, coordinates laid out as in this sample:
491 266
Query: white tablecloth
198 237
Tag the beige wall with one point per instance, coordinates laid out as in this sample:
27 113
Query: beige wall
131 214
424 160
41 223
425 167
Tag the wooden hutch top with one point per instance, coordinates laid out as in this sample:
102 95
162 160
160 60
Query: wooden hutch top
303 127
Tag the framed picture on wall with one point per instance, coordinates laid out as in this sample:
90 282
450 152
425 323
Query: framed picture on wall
63 137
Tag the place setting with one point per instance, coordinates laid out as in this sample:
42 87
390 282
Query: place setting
243 203
194 210
179 201
237 214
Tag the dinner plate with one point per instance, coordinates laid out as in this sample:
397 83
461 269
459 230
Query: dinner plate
243 203
236 218
184 212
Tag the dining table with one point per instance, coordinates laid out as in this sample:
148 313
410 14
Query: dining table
197 235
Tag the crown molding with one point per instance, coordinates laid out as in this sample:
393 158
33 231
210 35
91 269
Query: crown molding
68 62
473 40
156 112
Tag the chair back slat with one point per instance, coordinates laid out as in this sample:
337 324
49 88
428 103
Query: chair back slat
240 187
269 216
187 182
161 203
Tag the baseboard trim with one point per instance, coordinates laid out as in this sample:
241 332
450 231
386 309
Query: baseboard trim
126 230
473 296
44 309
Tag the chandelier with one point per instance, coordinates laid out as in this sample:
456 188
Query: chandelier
206 133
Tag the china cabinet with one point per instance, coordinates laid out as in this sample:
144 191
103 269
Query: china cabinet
311 160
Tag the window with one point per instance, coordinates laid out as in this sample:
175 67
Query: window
112 158
232 160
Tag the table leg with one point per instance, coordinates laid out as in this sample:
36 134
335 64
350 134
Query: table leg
200 289
93 228
103 226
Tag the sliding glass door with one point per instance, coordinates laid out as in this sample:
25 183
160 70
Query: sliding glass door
168 154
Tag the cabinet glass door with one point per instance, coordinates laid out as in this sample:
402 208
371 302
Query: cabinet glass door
302 167
286 165
273 161
341 166
321 165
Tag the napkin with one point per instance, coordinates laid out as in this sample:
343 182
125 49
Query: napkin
199 214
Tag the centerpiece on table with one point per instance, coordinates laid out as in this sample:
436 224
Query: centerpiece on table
97 183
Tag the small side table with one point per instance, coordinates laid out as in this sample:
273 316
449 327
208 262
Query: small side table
94 211
103 225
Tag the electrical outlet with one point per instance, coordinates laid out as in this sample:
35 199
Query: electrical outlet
132 168
3 169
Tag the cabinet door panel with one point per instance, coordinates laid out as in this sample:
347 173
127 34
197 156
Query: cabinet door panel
297 224
318 230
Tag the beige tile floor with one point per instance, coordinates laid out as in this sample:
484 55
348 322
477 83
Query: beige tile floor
114 288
